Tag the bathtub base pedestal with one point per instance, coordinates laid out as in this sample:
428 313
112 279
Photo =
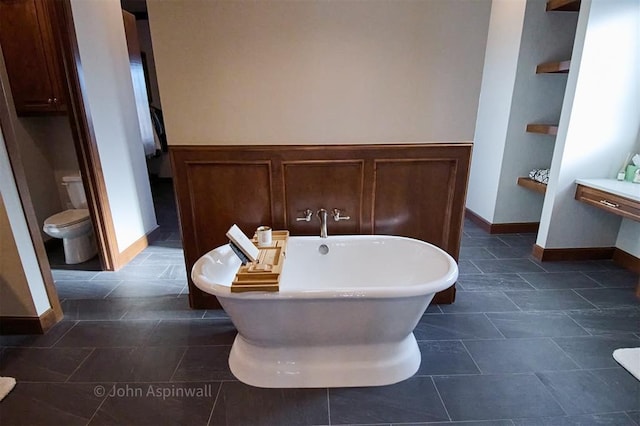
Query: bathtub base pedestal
324 366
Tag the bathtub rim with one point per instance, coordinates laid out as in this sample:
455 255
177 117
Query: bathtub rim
224 289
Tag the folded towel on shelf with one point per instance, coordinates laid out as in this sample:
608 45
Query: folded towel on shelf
540 175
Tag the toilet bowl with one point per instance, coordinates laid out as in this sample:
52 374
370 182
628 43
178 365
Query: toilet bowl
76 230
73 226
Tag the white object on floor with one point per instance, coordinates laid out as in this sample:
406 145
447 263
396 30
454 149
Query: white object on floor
629 358
6 385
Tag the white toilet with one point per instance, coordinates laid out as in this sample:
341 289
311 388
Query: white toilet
74 225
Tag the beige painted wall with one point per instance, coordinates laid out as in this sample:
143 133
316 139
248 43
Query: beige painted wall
307 72
36 140
15 297
47 153
50 156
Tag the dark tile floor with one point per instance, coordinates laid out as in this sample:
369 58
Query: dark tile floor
55 255
526 343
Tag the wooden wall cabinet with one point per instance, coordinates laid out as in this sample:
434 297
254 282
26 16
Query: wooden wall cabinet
413 190
31 56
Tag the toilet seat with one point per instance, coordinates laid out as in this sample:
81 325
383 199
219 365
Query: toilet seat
67 218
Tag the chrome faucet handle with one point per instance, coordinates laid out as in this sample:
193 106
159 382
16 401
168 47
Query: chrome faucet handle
308 214
337 215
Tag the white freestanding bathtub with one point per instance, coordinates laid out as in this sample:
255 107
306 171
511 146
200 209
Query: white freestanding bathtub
344 318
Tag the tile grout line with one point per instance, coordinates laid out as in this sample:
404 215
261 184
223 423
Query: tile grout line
504 293
587 300
576 323
441 400
494 326
513 301
184 352
96 276
215 402
476 266
629 416
600 285
328 407
546 388
519 274
566 353
126 311
80 364
106 395
471 356
75 323
113 289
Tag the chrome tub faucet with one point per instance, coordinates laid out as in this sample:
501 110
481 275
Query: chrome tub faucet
322 215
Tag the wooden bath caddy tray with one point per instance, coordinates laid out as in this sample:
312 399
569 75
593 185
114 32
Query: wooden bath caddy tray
263 275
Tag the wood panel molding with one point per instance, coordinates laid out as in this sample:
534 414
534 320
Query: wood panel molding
29 325
49 319
515 228
134 249
323 184
414 190
567 254
20 325
502 228
473 217
619 257
83 135
627 260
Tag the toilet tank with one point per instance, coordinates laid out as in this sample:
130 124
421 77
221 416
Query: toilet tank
75 190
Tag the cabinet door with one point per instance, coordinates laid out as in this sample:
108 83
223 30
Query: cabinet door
53 55
29 55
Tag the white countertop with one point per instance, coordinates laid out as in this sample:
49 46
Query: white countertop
621 188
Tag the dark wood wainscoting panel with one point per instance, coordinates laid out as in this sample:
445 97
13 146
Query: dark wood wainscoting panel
417 190
222 194
212 197
323 184
413 199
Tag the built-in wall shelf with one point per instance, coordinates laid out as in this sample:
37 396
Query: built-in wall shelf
561 67
563 5
545 129
532 185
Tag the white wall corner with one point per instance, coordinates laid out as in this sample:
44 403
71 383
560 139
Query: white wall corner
494 109
109 90
629 237
537 98
21 235
599 122
629 234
